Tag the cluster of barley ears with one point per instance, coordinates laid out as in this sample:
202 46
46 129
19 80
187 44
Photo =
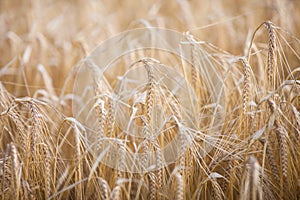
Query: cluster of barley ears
234 114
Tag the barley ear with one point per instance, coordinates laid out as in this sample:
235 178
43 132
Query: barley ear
271 53
105 189
152 185
246 87
179 186
47 171
15 171
282 135
78 164
271 160
116 193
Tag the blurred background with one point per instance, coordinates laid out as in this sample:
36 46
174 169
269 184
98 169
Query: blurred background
57 34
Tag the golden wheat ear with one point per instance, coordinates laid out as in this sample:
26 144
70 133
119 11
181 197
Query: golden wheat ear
179 186
116 193
105 189
271 52
246 88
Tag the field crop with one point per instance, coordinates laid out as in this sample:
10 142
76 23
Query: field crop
89 111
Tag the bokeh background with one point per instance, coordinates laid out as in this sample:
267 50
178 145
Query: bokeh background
57 34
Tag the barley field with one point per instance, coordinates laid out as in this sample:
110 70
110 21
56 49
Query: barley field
81 119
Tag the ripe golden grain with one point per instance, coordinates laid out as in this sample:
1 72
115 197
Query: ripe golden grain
40 43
